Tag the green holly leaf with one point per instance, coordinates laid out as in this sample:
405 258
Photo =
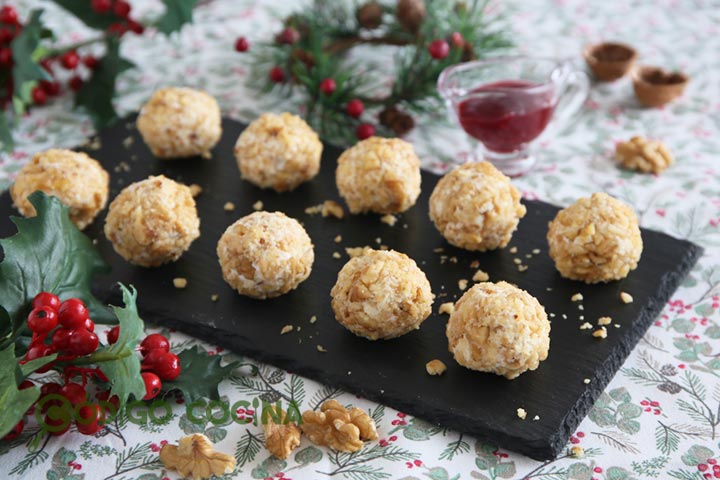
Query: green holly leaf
123 370
26 71
629 410
48 254
200 375
177 14
85 13
620 395
96 95
505 470
308 455
696 455
6 139
13 402
579 471
28 367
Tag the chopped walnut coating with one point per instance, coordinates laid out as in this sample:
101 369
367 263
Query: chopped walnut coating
194 457
281 439
339 428
643 155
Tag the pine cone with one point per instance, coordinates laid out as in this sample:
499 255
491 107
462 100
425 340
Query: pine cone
668 369
669 387
369 16
410 14
397 121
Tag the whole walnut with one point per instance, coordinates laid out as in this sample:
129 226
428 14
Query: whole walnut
369 15
410 14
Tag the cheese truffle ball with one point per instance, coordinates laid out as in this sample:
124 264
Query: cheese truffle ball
597 239
475 207
265 255
498 328
278 152
75 179
180 122
152 222
381 294
380 175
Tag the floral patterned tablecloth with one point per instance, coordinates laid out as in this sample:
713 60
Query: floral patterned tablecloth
658 418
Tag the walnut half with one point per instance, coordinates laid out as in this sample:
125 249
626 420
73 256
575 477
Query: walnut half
642 155
194 457
339 428
281 439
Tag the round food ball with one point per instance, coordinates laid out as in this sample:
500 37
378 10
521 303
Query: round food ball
597 239
380 175
75 179
265 255
180 122
475 207
278 152
498 328
152 222
381 294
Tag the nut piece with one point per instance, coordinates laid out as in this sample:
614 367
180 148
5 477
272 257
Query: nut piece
332 208
180 282
475 207
597 239
380 175
578 297
481 276
435 367
278 152
604 321
521 413
643 155
339 428
626 297
281 439
600 333
77 180
194 457
447 307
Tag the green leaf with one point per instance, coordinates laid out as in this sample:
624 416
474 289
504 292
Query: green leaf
603 417
200 375
579 471
713 332
269 467
696 455
437 473
631 427
308 455
617 473
49 254
84 12
13 402
6 139
629 410
26 70
6 325
620 395
189 427
216 434
682 325
505 470
682 343
29 367
96 95
177 14
703 348
687 356
123 372
705 309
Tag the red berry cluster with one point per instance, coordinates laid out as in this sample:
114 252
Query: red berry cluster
709 468
120 9
439 49
10 28
158 364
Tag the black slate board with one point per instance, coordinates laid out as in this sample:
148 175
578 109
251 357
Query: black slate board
389 372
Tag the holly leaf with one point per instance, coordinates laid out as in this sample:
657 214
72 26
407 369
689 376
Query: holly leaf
28 367
177 14
200 375
6 139
13 402
48 253
123 371
96 95
85 13
26 71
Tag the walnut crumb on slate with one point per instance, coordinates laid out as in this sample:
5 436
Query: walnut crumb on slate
536 418
180 282
195 190
522 268
332 208
229 207
447 307
438 250
214 297
462 284
604 321
257 206
586 326
577 297
536 251
338 239
286 329
521 413
517 261
389 219
322 349
313 319
481 276
435 367
626 297
513 250
600 333
475 264
586 381
336 255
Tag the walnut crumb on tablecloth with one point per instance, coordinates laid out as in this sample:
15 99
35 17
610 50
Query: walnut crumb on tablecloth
435 367
521 413
180 282
626 297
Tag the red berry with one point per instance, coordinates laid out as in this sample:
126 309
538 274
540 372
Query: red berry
154 341
6 57
355 108
89 325
50 388
439 49
288 36
151 359
90 62
457 40
101 6
365 130
75 83
113 334
42 319
70 60
74 392
242 44
135 27
58 424
52 89
15 432
25 384
654 404
118 29
39 96
38 351
90 419
5 35
277 75
153 385
711 461
72 313
327 86
61 338
8 15
167 366
122 8
83 342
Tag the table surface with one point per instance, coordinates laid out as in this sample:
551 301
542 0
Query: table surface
660 415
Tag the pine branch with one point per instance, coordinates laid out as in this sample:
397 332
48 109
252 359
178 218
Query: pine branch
247 448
